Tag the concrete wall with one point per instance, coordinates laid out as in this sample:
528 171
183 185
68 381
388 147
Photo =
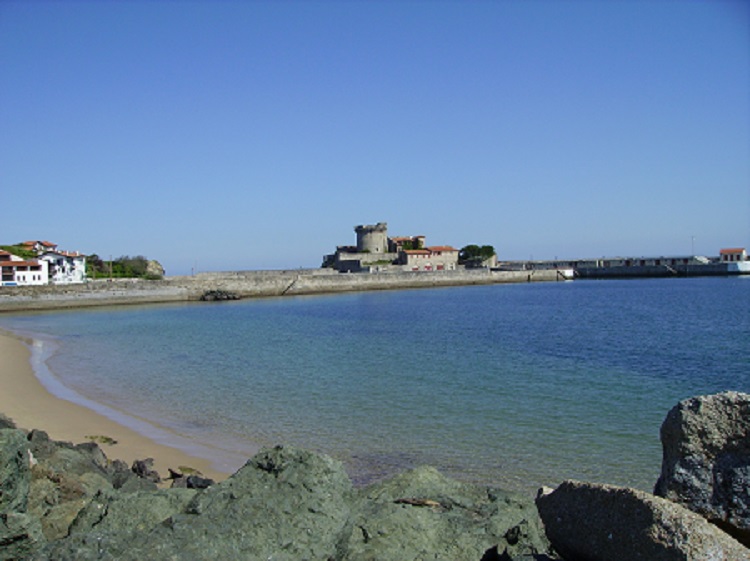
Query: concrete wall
246 284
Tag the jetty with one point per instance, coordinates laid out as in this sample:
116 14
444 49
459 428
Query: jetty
252 284
729 262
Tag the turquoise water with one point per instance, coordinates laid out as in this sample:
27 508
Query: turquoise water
512 385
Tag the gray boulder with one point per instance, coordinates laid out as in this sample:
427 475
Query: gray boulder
594 522
284 504
15 471
706 459
20 536
290 504
423 515
6 422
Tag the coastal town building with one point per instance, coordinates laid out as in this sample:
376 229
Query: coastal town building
65 267
16 271
436 258
38 246
49 265
377 252
733 255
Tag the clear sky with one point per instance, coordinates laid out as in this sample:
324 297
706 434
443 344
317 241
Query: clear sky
255 135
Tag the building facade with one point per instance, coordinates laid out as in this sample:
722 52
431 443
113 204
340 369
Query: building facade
65 267
15 271
733 255
377 252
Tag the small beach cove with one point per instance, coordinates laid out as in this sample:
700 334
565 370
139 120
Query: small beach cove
30 404
516 385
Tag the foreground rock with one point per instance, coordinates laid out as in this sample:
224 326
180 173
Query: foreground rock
593 522
706 462
64 502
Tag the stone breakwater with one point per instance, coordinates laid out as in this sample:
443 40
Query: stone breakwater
69 502
246 284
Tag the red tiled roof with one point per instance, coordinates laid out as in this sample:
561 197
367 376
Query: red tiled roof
65 253
442 248
32 243
731 250
417 252
9 264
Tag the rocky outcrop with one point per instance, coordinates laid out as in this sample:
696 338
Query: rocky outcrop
594 522
423 515
154 270
69 502
218 295
706 461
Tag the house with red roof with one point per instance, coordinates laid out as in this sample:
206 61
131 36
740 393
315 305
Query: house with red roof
733 255
16 271
435 258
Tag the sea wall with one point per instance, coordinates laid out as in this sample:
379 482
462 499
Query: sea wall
645 271
246 284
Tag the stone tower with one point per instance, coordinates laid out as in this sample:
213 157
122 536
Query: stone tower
372 239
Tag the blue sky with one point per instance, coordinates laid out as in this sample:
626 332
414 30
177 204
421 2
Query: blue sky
252 135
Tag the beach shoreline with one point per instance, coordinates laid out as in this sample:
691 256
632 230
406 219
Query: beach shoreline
31 405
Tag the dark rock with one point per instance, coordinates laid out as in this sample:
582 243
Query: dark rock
423 515
706 461
145 470
289 504
40 444
126 514
119 473
15 471
493 554
285 504
6 422
192 482
20 536
593 522
125 479
218 295
94 453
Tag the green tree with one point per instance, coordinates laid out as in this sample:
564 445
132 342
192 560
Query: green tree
475 253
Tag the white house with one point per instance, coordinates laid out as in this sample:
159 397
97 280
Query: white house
15 271
733 255
65 267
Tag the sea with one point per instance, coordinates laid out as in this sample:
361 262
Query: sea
515 386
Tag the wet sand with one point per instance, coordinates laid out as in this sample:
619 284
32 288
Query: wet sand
24 399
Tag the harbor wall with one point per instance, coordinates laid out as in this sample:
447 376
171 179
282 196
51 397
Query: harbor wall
646 271
247 284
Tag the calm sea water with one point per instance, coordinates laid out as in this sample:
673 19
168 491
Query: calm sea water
510 385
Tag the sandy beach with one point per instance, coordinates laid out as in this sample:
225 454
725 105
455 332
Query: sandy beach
25 400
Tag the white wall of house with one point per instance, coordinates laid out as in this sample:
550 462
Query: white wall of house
733 255
65 268
17 272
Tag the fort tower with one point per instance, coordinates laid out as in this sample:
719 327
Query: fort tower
372 239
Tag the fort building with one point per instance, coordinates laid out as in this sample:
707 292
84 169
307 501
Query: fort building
377 252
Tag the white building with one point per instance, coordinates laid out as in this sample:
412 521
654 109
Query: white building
65 267
733 255
15 271
436 258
